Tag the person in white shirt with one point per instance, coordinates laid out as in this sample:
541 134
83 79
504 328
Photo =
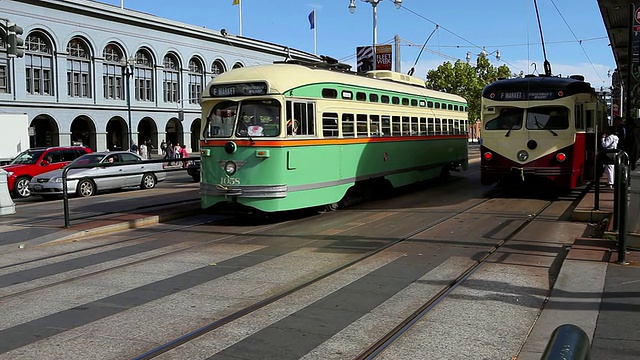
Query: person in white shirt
609 141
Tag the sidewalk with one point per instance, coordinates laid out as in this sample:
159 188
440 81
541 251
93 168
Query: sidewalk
594 292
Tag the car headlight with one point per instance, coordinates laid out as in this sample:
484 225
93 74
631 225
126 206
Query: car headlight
9 173
56 179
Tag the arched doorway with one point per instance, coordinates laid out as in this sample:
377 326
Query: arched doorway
46 130
195 135
174 132
117 134
148 131
83 132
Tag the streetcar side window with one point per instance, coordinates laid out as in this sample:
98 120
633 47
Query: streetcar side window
329 93
347 125
386 125
431 128
438 127
330 125
360 96
374 125
406 125
300 118
361 126
384 99
548 118
395 126
579 114
414 126
422 128
507 119
373 98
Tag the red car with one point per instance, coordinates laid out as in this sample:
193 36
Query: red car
36 161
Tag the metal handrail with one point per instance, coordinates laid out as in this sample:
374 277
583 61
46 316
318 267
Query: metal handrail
66 169
620 198
567 342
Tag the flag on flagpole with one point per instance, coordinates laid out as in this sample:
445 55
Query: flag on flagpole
236 2
312 19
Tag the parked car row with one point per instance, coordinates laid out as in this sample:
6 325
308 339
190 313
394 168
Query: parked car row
39 171
112 170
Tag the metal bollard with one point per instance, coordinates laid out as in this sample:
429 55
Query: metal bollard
7 206
567 342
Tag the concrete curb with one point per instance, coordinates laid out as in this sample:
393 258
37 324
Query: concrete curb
125 225
575 299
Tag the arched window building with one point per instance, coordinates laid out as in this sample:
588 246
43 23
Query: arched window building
81 57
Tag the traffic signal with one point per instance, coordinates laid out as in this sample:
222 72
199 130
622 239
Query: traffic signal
15 44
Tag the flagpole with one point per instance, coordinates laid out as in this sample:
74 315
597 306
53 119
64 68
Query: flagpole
240 8
315 29
121 4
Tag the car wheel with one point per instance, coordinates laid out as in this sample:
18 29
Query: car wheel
85 188
21 187
148 181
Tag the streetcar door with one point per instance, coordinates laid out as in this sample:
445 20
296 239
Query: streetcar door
591 145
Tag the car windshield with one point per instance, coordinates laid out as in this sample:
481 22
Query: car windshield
27 157
88 159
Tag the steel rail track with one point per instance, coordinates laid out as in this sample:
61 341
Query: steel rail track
384 342
170 345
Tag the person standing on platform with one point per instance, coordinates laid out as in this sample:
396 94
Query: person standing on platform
609 142
142 150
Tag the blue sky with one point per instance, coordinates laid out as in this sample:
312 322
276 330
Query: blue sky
574 33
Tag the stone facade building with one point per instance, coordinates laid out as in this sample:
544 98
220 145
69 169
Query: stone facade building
82 56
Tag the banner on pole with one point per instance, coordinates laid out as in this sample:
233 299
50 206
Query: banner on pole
364 56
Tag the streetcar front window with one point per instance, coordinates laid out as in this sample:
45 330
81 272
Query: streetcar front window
259 118
548 118
506 119
221 120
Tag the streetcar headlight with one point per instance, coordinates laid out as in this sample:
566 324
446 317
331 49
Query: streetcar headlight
561 157
230 168
487 156
523 155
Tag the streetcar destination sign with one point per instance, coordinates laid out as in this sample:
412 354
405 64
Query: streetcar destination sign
244 89
526 95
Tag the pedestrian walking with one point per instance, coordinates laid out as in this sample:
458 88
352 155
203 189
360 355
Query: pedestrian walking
163 148
142 150
169 153
184 154
609 142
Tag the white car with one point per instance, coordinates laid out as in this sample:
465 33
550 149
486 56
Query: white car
124 169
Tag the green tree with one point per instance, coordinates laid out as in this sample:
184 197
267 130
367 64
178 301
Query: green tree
463 79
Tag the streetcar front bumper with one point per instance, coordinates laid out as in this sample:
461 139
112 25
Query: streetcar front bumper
253 191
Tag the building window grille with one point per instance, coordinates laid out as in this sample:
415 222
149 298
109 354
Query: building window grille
196 80
78 69
38 60
143 76
112 73
171 84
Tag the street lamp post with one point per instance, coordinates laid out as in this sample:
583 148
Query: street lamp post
127 71
485 54
374 5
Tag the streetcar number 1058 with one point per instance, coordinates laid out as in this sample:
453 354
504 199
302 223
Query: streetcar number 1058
229 181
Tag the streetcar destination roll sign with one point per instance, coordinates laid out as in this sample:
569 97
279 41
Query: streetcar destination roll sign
526 95
244 89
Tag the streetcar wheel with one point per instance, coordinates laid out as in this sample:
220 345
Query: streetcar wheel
21 187
331 207
148 181
85 188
